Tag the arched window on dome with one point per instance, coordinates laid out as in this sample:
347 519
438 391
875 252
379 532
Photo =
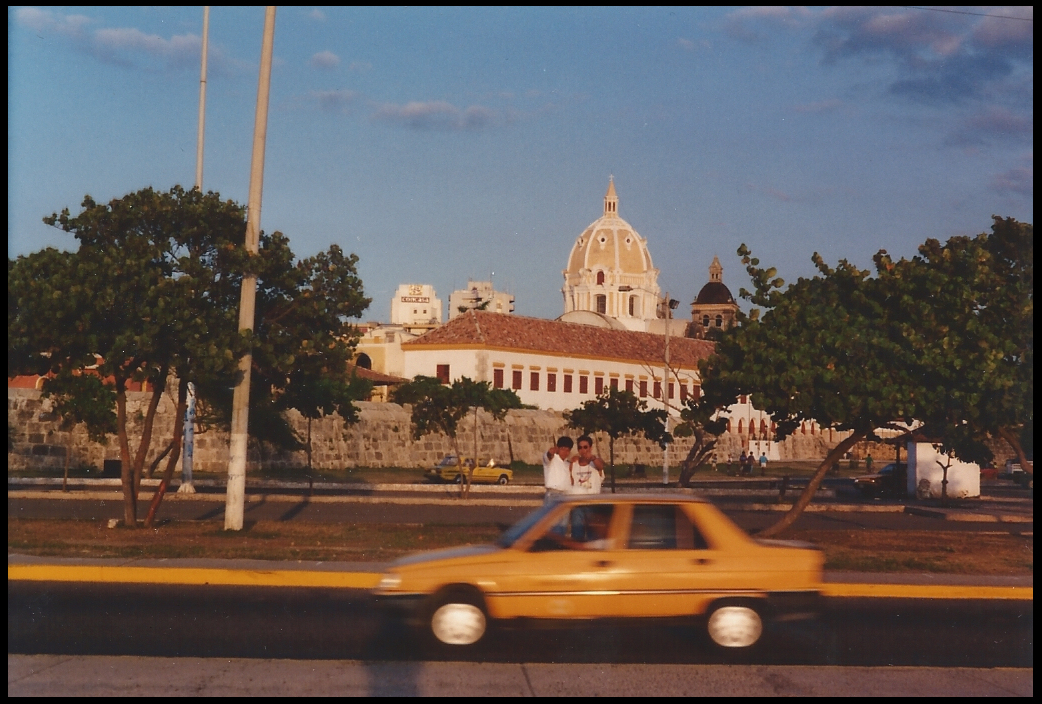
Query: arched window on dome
600 280
705 321
719 321
602 303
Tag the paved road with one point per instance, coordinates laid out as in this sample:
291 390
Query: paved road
218 621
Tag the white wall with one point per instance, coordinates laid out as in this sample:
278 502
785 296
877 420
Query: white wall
479 365
923 467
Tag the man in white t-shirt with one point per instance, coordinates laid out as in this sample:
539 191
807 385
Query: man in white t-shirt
586 471
555 469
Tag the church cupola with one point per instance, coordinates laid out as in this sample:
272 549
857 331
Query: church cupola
611 201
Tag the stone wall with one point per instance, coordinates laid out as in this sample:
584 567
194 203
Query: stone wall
381 438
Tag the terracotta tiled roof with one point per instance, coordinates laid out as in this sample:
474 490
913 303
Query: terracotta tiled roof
378 378
482 329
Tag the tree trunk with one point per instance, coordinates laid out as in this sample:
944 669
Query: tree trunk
68 455
1014 442
175 452
815 481
611 457
158 459
146 430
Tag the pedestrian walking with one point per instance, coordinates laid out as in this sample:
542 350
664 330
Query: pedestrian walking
763 464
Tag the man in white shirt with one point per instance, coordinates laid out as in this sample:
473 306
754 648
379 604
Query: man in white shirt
556 476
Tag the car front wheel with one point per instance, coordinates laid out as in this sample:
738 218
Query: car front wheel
503 479
735 626
457 618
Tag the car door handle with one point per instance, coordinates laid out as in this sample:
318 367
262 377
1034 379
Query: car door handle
701 561
603 563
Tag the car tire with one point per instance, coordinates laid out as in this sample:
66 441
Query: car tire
503 479
735 626
459 478
457 619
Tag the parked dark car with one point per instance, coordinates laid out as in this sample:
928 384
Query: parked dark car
891 480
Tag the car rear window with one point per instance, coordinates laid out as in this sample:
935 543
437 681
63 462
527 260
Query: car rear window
663 527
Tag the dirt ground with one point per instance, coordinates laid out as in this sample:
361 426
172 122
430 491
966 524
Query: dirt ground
864 550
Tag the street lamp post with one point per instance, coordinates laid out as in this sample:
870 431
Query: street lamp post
668 305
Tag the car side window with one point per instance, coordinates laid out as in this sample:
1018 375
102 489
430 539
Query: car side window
581 528
663 527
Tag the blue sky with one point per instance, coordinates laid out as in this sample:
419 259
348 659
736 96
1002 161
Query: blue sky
447 144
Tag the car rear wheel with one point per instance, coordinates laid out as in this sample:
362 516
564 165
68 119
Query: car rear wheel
459 478
503 479
458 619
735 626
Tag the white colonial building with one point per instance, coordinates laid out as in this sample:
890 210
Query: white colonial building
554 364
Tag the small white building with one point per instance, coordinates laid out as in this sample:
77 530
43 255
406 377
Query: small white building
926 472
416 306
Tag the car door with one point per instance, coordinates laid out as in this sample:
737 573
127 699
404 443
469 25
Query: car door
666 566
567 569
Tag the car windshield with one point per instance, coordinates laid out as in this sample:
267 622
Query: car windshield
511 534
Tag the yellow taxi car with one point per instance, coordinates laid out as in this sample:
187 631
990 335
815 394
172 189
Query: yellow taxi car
487 472
617 556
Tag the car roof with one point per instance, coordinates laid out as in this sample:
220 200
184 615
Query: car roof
633 497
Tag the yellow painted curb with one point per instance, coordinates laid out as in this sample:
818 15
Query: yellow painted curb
367 580
191 575
927 591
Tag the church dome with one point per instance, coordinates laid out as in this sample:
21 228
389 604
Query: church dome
714 293
610 244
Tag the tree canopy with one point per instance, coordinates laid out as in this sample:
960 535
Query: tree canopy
153 290
439 408
942 339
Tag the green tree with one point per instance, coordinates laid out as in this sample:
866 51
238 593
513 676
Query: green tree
437 408
81 398
823 349
617 413
966 310
153 289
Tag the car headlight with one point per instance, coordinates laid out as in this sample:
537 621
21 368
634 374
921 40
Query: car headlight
390 581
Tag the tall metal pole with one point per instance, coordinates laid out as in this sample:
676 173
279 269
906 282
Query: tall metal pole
189 435
236 497
665 395
202 103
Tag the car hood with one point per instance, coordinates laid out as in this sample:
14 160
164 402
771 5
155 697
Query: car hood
446 554
868 477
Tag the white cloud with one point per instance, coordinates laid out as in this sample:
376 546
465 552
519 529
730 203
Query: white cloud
437 115
126 46
45 21
317 15
1019 181
325 59
334 100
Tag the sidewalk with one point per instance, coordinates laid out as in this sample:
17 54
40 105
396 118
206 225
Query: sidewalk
728 493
